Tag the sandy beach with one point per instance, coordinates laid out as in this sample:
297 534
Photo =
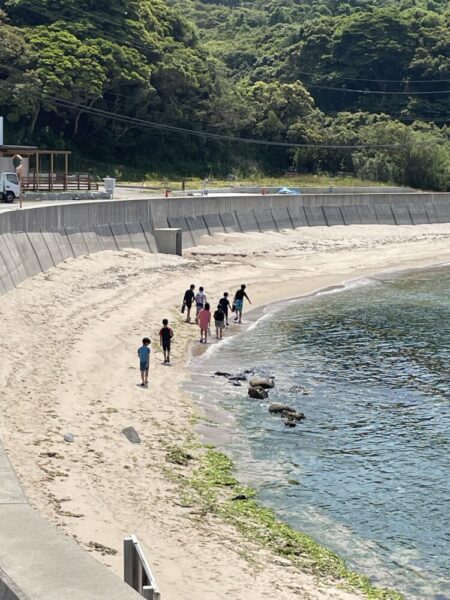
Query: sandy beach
69 365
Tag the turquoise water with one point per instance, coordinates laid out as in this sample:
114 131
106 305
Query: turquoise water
367 473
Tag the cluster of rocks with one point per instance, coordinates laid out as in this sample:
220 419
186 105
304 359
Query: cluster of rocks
258 386
290 415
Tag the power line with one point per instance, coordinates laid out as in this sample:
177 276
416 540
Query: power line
61 103
368 92
406 81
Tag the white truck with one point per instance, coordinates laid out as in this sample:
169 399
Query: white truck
9 187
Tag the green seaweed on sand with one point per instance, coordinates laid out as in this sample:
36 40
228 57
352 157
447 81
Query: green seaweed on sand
213 486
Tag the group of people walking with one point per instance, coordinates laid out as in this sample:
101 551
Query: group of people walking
203 315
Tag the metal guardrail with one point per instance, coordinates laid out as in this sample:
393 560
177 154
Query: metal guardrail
136 570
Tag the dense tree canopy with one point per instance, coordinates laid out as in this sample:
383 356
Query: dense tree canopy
314 72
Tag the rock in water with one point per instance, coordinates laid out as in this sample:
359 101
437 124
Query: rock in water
293 416
278 408
132 435
262 382
222 374
257 392
299 389
290 423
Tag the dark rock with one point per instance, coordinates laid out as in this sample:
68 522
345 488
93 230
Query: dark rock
237 384
299 389
238 377
290 423
292 416
132 435
222 374
262 382
258 393
240 497
277 408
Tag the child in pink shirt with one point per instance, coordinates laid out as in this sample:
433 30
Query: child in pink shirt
204 319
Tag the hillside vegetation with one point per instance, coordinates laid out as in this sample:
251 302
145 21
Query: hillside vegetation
372 75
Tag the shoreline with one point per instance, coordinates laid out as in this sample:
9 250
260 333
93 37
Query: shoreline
101 487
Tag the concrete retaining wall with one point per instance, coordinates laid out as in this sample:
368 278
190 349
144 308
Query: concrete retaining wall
35 239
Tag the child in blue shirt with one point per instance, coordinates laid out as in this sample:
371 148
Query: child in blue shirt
144 359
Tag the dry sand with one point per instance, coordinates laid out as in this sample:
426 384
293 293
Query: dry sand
68 364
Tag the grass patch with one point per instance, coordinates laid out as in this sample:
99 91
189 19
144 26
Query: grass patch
214 489
158 184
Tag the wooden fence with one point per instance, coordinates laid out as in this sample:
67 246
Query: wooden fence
47 182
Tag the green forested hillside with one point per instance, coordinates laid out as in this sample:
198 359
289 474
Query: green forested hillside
318 73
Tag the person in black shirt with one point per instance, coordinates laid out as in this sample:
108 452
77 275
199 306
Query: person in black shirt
219 319
165 337
188 299
225 305
238 302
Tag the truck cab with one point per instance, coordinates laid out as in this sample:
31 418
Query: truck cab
9 187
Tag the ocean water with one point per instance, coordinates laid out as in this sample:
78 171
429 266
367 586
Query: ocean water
367 473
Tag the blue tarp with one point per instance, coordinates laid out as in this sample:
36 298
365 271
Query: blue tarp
286 190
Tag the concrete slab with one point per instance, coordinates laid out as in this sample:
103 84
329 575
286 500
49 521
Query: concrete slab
76 241
431 213
282 219
333 215
11 491
13 259
247 221
169 241
197 227
47 565
367 214
52 246
91 239
5 275
149 233
63 242
214 224
350 215
106 237
298 216
401 214
315 216
121 236
442 211
265 219
40 248
137 236
180 223
27 254
418 214
384 214
230 222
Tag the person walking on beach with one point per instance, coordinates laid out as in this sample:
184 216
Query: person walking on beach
219 320
238 302
144 360
165 337
200 301
225 305
204 321
189 297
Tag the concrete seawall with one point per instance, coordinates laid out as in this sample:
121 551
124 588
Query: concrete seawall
36 561
33 240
